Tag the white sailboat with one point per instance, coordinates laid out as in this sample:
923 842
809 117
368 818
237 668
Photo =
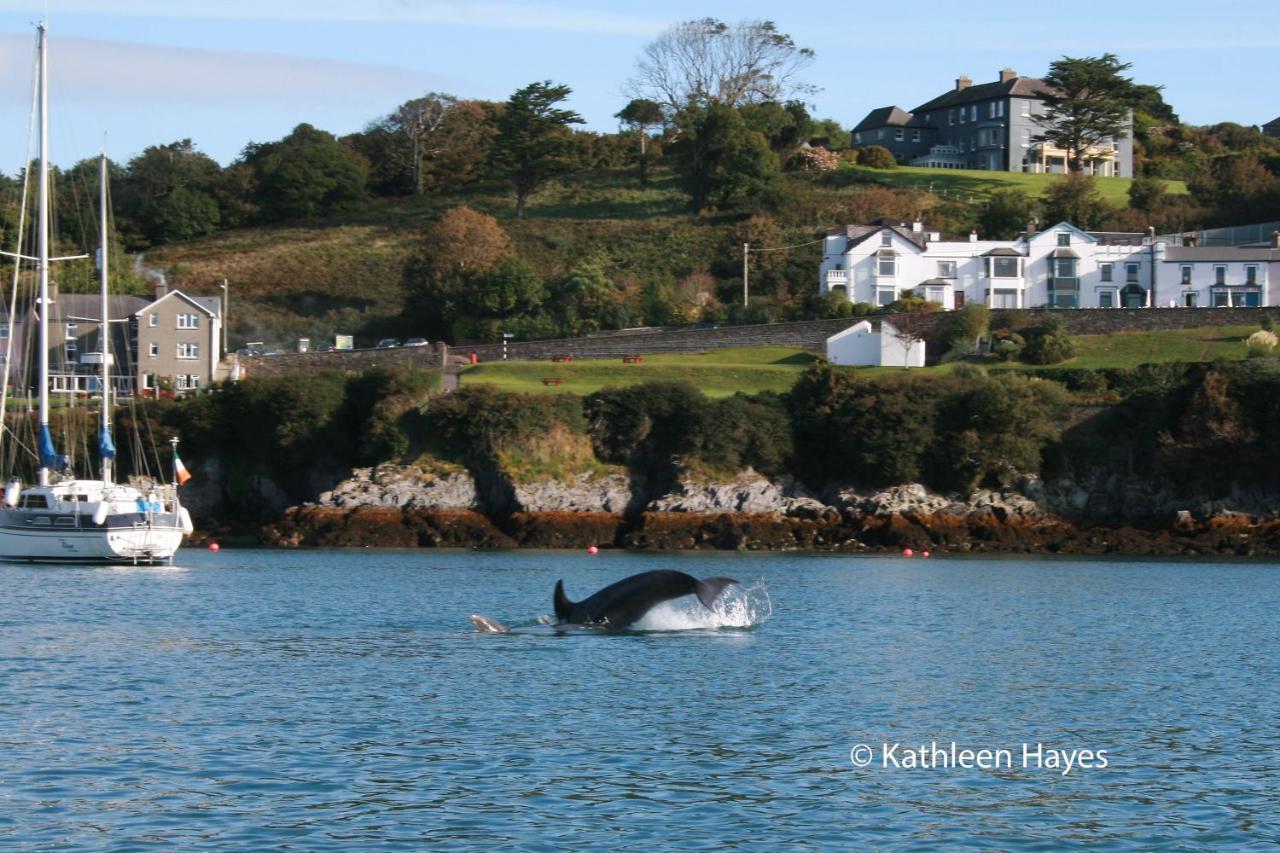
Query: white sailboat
61 518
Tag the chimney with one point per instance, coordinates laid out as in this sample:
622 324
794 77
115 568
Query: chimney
162 287
917 227
1031 228
1190 240
973 236
963 83
1007 74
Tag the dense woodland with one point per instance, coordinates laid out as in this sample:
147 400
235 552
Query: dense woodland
485 216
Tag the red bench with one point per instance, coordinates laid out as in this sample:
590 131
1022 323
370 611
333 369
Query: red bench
632 359
552 380
562 357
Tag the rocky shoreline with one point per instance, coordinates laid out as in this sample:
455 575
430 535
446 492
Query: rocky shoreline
398 506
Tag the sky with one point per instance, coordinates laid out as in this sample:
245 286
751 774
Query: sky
131 73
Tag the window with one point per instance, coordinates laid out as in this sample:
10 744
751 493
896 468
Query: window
887 266
885 297
148 381
188 321
1004 267
71 331
857 138
1064 267
1221 299
946 269
186 350
897 134
1107 299
1064 238
1219 275
991 110
153 320
1189 299
1186 275
1250 275
1105 269
4 331
154 350
1131 272
181 381
879 134
951 117
963 114
886 238
71 350
915 136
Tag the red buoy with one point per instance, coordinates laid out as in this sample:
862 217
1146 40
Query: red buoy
593 550
213 546
907 552
924 553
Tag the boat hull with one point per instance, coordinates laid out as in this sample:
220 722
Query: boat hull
118 541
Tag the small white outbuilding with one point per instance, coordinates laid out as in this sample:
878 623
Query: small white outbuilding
863 344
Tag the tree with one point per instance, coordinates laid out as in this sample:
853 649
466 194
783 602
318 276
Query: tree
1074 198
306 174
534 142
642 114
1006 214
876 157
169 192
436 276
1146 193
707 61
719 158
1087 103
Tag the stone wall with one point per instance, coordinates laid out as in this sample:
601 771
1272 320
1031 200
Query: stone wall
808 335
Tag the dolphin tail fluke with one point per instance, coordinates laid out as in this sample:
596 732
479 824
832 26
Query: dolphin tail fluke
709 590
563 606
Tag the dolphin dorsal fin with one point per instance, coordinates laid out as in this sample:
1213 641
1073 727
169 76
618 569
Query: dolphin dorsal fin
563 606
709 589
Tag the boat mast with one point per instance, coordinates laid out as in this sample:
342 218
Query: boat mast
104 327
42 262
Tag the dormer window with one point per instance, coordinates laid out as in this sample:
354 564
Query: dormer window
1064 238
886 238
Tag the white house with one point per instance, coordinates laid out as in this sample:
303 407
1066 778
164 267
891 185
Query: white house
863 345
1060 267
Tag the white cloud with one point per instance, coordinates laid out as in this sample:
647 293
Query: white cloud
119 72
493 15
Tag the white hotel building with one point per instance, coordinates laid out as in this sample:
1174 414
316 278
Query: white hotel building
1060 267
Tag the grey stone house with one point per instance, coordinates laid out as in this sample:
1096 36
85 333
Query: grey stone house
174 339
988 126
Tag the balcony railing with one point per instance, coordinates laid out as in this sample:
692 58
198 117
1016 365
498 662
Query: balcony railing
835 277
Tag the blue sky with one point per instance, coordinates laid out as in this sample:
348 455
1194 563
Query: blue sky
228 72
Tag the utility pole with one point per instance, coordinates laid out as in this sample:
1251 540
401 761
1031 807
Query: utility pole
746 247
226 306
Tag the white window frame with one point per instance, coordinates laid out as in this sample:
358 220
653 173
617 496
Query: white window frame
71 331
1132 272
188 351
898 134
153 319
188 321
1188 272
946 269
154 350
892 266
1107 271
1251 274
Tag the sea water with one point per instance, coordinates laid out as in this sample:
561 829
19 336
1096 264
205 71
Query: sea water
313 699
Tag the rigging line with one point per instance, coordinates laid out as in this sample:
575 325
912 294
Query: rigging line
785 248
17 265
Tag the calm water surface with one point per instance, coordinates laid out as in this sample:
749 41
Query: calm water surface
257 699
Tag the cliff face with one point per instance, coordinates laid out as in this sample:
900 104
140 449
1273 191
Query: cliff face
404 507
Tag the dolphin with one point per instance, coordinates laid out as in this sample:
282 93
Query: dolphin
625 602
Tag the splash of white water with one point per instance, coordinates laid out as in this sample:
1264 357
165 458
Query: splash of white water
737 607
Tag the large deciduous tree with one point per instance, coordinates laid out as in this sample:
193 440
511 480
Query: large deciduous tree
707 61
1088 103
534 142
169 192
1074 198
720 159
460 247
306 174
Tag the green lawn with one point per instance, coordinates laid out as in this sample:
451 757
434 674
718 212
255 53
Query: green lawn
722 373
980 184
718 373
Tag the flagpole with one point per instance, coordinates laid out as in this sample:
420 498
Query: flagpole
173 442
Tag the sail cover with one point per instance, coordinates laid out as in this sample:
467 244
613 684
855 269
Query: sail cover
49 457
106 447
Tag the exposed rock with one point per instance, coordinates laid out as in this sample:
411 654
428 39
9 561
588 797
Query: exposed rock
609 493
401 486
748 493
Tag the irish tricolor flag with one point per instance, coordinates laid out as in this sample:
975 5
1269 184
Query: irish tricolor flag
179 470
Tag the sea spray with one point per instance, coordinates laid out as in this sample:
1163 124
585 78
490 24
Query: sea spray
736 607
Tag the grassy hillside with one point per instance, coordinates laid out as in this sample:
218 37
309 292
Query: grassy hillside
979 185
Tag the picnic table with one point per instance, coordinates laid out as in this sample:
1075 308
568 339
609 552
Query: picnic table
552 380
632 359
564 356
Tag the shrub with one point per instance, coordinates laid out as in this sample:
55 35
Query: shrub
1006 345
877 157
817 160
1048 343
1267 324
862 309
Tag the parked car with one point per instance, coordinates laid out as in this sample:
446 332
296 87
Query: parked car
388 343
325 348
416 342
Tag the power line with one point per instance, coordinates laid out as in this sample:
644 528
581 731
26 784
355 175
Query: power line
785 248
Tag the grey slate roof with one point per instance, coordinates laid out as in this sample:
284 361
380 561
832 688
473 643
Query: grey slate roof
1223 254
90 305
884 117
1018 87
1002 252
